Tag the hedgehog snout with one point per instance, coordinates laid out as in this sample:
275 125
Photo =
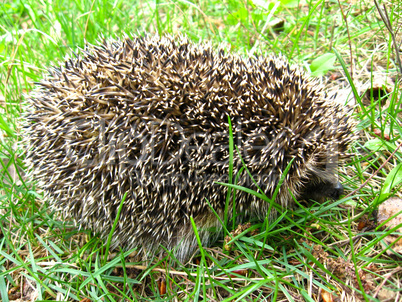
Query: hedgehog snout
323 190
337 191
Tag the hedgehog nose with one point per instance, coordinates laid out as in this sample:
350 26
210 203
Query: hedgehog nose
338 190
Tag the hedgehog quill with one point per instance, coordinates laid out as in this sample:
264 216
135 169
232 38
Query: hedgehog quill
149 116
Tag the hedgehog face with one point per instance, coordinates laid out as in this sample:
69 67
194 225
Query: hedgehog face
322 191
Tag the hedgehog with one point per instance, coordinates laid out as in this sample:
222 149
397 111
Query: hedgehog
148 116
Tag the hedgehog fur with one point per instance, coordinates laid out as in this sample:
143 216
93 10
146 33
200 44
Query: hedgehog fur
148 116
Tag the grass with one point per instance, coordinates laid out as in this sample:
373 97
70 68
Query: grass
295 257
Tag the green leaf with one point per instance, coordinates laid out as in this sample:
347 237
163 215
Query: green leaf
289 3
322 64
3 287
375 144
262 3
238 16
4 126
393 179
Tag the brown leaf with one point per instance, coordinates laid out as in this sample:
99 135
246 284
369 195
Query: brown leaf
161 285
386 210
361 225
326 296
242 272
378 133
